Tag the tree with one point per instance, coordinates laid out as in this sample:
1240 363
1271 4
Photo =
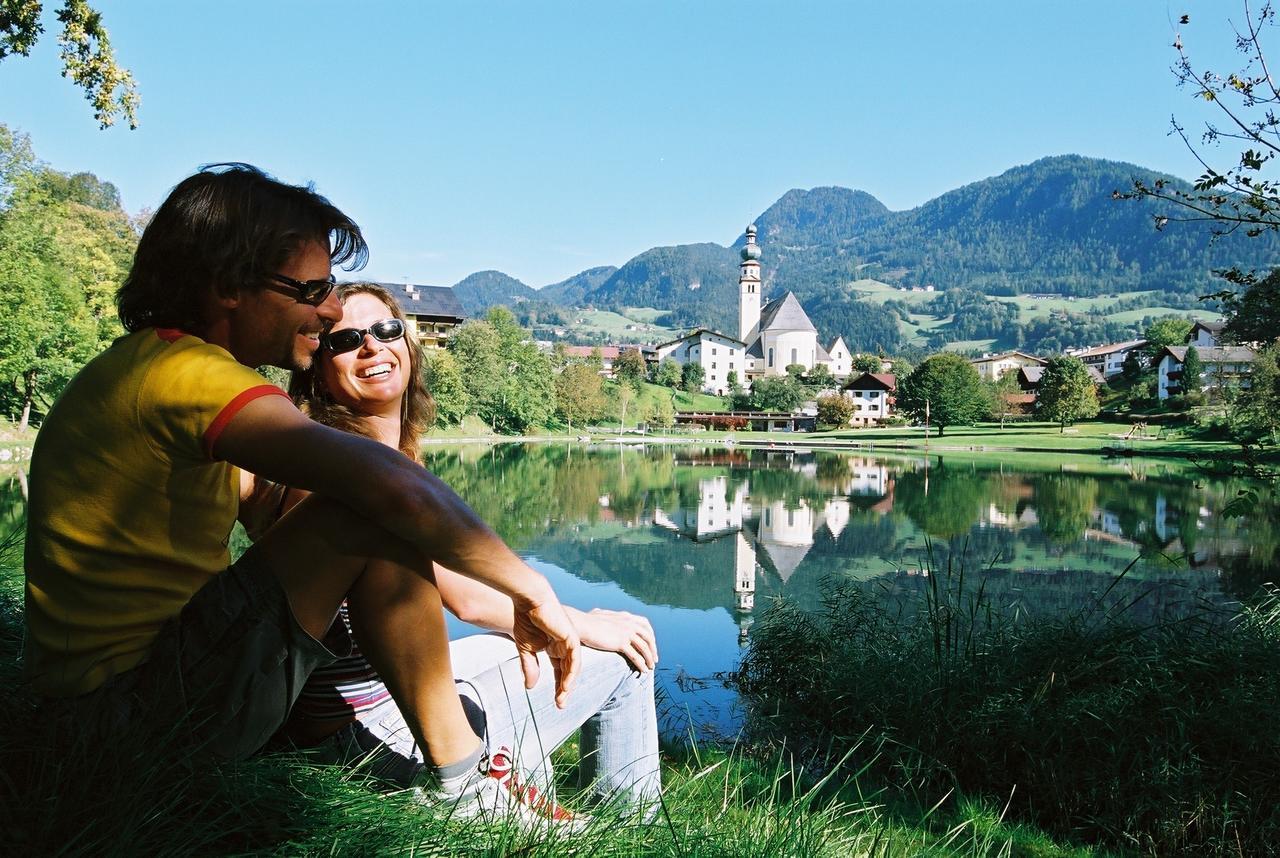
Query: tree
630 367
796 370
623 395
820 378
1131 370
579 394
664 413
835 409
1258 416
776 393
1165 331
1004 396
692 375
667 374
867 363
444 380
87 58
948 387
1254 315
1066 393
1192 369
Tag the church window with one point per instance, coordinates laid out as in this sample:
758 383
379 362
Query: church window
793 356
770 357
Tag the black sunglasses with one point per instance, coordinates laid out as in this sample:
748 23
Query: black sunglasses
313 292
350 339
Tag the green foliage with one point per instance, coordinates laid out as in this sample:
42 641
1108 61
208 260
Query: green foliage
87 58
796 370
509 382
776 393
1003 396
1257 415
444 379
1254 315
579 394
1192 369
65 246
668 373
692 376
834 409
948 388
630 367
1166 331
1066 392
867 363
1041 712
819 378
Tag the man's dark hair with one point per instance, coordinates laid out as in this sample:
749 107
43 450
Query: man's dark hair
224 229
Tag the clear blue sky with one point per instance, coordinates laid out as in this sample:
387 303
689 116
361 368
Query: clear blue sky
543 138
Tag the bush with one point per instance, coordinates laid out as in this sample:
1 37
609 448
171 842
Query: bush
1142 738
835 409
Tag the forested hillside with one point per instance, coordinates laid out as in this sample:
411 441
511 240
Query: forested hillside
1047 228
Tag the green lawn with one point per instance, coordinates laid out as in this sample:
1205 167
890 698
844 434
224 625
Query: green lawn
1132 316
624 329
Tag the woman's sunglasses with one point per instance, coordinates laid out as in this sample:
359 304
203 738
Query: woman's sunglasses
350 339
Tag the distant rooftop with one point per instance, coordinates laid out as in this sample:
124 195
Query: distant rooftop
438 301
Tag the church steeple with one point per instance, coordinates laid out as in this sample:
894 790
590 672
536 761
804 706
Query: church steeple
749 288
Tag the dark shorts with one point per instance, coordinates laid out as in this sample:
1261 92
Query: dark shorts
222 675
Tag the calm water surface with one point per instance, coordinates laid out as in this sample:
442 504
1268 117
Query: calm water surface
700 540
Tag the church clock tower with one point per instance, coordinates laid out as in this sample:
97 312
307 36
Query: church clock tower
749 288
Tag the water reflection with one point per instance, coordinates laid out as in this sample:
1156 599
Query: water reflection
701 539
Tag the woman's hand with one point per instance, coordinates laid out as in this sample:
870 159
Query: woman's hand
545 626
629 635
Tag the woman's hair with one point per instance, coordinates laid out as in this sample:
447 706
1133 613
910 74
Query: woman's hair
222 230
418 409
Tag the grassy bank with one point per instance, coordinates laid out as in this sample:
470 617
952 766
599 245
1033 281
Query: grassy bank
61 797
1155 740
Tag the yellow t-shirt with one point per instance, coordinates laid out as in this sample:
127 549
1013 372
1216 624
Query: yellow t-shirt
129 512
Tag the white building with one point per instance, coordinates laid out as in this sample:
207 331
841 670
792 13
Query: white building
872 397
1222 367
1205 334
991 367
718 355
1108 359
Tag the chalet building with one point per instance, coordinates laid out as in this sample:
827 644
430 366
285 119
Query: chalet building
718 355
1109 359
1224 366
1205 334
872 396
991 367
433 311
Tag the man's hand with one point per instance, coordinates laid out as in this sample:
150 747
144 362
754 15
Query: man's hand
546 627
629 635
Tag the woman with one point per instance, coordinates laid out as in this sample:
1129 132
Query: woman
367 380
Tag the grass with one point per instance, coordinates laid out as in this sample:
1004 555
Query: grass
1087 726
60 796
615 327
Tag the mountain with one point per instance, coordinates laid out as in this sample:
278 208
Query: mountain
570 291
1051 226
698 282
482 290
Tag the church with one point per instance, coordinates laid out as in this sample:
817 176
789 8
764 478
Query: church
770 338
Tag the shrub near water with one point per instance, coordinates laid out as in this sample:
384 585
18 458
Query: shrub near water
1156 738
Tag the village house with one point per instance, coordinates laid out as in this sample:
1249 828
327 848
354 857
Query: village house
872 397
991 367
1223 366
1205 334
608 356
433 311
1109 359
718 355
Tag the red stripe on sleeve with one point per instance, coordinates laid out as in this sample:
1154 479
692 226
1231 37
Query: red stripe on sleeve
231 409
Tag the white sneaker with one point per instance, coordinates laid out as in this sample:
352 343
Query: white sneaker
498 794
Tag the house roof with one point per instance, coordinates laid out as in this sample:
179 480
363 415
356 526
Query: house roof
1214 328
785 314
873 381
698 333
822 354
837 341
427 300
1005 355
1111 348
1212 354
606 352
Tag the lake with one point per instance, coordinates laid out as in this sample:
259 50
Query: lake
701 538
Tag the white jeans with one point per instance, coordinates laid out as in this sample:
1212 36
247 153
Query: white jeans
611 702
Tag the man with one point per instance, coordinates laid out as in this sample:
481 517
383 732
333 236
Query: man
132 613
